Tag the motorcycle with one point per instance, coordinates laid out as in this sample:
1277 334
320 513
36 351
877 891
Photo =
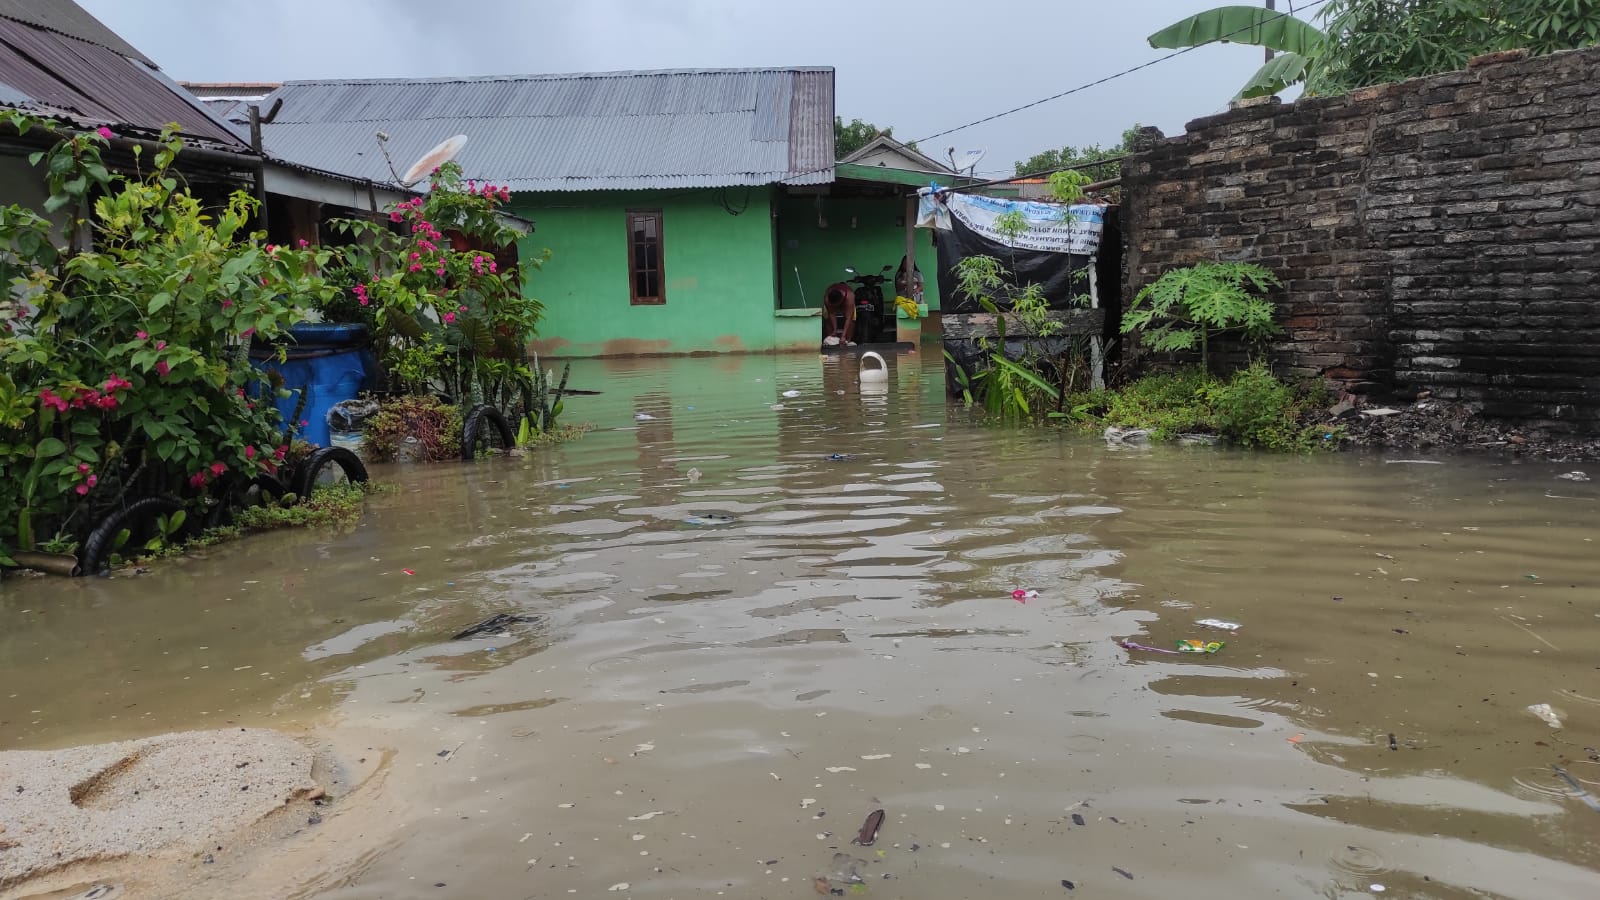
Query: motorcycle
870 310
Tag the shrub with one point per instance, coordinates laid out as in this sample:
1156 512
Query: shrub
1167 403
1252 408
436 426
124 369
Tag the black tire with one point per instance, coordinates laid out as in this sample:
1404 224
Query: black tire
261 490
483 428
101 543
334 461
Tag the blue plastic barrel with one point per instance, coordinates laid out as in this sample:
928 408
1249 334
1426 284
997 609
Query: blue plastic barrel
325 363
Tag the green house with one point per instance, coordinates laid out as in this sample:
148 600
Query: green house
687 211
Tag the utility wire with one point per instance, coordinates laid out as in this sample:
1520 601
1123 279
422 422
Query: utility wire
1115 75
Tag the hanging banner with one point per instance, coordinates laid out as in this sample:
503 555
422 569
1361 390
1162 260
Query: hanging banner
1052 227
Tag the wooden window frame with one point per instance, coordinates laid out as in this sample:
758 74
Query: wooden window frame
634 298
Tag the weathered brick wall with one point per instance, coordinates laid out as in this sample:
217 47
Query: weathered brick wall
1440 233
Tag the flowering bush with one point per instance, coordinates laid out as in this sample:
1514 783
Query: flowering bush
125 369
447 316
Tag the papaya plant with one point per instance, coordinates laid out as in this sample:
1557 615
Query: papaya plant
1185 308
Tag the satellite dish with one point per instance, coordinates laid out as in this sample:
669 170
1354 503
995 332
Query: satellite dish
433 159
969 161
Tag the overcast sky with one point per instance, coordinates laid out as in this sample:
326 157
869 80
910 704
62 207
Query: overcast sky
921 67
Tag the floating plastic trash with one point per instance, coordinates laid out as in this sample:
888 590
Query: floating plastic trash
709 519
1130 645
1194 646
1219 624
1022 596
1546 713
643 417
840 457
791 394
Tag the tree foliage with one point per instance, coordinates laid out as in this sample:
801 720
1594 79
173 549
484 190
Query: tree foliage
847 139
1366 42
1051 160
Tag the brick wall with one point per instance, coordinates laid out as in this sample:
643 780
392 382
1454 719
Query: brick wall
1440 233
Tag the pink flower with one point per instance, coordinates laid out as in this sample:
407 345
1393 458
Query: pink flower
416 267
439 271
83 468
93 480
227 303
163 368
363 301
449 318
491 266
107 402
395 216
143 335
280 450
82 489
247 332
161 345
304 423
415 256
48 399
217 469
249 453
304 243
198 479
505 195
462 308
104 132
115 383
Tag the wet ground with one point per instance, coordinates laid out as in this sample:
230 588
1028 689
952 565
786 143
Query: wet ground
745 646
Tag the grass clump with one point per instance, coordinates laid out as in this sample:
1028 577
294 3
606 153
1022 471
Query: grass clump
1251 408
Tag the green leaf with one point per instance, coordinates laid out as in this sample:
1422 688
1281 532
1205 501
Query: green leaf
49 447
1242 25
159 302
1282 71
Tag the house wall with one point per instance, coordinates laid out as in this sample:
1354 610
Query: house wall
718 268
878 239
1442 233
24 185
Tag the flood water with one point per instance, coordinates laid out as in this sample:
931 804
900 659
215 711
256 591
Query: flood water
745 646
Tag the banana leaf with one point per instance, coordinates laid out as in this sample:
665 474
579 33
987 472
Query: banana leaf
1242 25
1282 71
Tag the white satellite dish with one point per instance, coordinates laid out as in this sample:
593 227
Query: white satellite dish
433 159
969 161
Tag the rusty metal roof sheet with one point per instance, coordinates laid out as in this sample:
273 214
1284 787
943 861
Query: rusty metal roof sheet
95 84
596 131
68 18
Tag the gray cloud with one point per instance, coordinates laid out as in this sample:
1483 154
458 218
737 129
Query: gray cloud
921 67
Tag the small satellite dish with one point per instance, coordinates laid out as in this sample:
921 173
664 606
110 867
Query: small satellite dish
433 159
969 160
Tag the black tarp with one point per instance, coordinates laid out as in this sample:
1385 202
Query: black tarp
1062 276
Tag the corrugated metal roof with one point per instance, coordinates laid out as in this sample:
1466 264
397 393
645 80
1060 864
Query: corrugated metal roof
68 18
51 72
596 131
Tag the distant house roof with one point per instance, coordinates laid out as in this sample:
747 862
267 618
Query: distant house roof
59 61
887 152
583 132
230 90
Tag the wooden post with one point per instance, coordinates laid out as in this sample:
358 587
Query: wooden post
911 246
261 173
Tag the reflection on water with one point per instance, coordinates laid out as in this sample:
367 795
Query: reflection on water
765 616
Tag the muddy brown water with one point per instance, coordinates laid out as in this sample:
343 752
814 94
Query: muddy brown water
713 709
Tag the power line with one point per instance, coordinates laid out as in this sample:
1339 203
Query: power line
1114 76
